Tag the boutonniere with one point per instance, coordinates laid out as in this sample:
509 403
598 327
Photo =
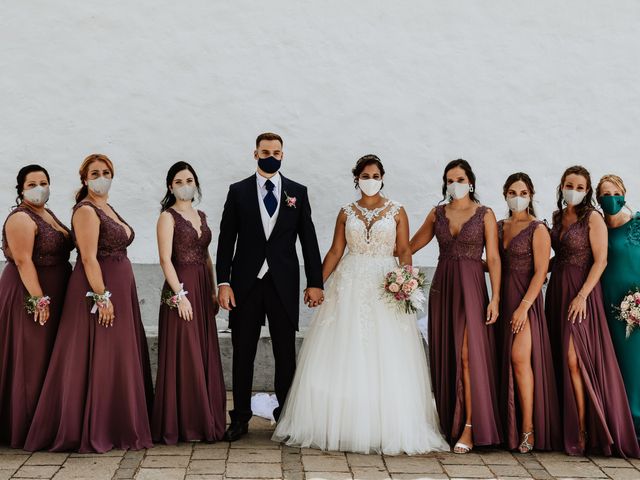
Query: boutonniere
291 201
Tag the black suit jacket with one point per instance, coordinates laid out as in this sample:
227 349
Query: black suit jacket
241 230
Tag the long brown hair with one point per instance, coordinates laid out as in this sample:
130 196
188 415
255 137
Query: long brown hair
84 173
520 177
583 208
464 165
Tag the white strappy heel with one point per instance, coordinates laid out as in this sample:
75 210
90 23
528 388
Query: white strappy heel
462 448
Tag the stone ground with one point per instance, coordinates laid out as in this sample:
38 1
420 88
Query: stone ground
257 457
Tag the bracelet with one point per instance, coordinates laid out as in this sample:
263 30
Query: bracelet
99 300
173 299
32 303
581 296
526 301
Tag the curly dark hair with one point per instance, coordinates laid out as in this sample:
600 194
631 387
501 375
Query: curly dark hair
584 208
364 162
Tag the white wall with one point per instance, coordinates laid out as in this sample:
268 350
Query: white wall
508 85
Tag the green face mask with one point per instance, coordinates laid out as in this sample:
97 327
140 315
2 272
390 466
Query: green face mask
612 204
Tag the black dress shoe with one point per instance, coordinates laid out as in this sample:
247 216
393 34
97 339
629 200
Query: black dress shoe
235 431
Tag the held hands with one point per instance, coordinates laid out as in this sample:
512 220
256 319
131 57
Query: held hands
226 299
492 312
185 311
313 297
519 318
578 309
106 314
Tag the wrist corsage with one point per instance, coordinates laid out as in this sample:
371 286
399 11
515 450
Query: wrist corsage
172 298
99 300
34 302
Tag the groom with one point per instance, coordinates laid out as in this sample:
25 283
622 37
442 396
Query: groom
262 218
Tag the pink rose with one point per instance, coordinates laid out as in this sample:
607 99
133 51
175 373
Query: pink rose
413 283
394 288
406 288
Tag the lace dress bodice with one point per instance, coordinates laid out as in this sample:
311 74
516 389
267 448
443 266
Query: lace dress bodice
371 232
50 247
468 244
518 256
189 245
574 247
112 240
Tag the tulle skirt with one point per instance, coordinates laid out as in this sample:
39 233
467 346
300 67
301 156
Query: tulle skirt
362 383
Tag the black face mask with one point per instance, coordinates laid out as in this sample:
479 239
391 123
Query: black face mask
269 164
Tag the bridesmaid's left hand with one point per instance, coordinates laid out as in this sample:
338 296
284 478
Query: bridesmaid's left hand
577 309
492 312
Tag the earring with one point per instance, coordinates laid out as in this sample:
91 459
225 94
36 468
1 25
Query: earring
470 188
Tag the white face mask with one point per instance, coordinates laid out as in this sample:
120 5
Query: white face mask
37 195
370 186
458 190
185 192
518 204
100 185
573 197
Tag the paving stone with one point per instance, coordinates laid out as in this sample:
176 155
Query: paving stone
160 474
457 459
251 455
47 458
359 460
209 454
509 470
325 463
253 470
206 467
328 476
540 474
36 471
165 461
573 469
515 478
7 451
370 473
471 471
88 467
204 477
419 476
497 457
12 461
611 462
134 454
543 457
529 462
6 474
622 473
293 475
405 464
110 453
210 446
180 449
124 473
130 462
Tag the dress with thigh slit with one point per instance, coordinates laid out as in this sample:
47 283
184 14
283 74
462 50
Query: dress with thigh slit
457 299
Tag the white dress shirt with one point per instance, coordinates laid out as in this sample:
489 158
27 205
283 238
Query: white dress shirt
267 222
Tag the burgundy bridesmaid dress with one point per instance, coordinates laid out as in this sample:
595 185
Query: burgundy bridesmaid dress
517 272
25 346
98 389
458 298
610 428
190 401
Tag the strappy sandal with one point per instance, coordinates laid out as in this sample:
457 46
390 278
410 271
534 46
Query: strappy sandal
525 446
462 448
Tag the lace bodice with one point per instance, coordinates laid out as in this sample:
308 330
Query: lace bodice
371 232
189 245
469 243
51 246
518 255
112 239
574 248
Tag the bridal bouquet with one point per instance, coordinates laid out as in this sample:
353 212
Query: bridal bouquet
404 287
629 310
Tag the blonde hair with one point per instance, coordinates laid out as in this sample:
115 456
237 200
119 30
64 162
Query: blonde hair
84 172
615 179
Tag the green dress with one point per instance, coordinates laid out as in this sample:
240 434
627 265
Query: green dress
621 275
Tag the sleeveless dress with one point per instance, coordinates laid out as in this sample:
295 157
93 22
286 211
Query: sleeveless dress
362 383
190 399
98 388
609 423
517 272
458 298
25 346
621 275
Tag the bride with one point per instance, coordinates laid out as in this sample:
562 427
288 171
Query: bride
362 382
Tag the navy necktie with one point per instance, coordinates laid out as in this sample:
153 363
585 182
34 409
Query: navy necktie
270 200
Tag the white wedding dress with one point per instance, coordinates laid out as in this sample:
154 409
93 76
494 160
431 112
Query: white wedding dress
362 382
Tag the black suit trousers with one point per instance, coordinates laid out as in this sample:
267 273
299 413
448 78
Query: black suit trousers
245 335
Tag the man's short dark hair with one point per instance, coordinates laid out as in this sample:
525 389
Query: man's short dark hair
269 136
